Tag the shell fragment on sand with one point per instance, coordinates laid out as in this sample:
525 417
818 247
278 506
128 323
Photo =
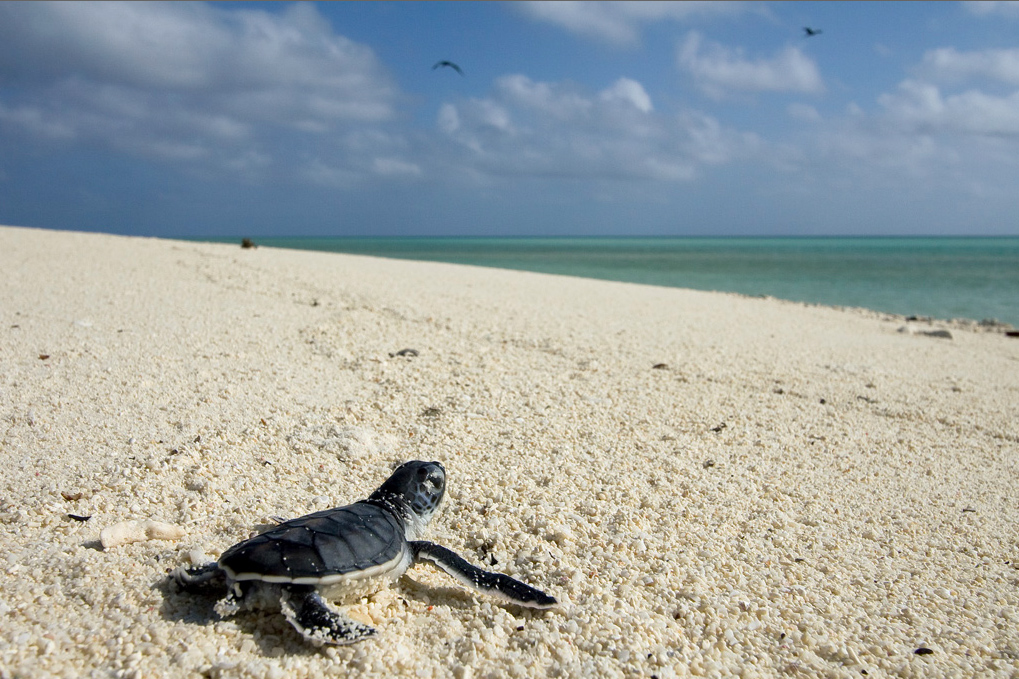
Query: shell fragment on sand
127 532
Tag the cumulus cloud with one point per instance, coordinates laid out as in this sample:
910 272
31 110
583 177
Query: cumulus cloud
958 94
618 23
1008 8
536 128
875 156
922 107
630 92
719 70
956 116
184 81
949 64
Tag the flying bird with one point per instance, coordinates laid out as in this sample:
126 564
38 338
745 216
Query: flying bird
811 31
449 64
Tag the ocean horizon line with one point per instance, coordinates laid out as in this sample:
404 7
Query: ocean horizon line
943 277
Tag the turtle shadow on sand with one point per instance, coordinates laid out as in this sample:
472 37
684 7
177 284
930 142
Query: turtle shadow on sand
180 606
270 633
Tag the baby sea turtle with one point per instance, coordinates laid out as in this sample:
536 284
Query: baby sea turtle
343 554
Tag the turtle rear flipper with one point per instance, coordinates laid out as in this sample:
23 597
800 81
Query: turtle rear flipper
203 579
310 615
496 584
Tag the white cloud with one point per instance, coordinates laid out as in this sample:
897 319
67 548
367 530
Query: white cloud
993 7
876 156
449 119
494 116
529 128
938 126
945 101
390 167
589 19
921 107
719 70
559 103
324 173
948 64
35 122
185 81
619 23
630 92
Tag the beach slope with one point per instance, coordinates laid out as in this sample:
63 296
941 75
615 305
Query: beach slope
711 485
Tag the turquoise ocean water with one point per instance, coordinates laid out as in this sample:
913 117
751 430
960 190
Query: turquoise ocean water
974 278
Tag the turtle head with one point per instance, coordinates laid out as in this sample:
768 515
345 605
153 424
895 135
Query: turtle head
416 488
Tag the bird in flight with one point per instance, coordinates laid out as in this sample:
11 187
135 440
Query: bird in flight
811 31
449 64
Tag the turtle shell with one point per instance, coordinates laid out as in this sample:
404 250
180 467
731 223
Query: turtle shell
358 540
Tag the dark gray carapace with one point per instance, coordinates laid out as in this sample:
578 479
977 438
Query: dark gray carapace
318 547
344 553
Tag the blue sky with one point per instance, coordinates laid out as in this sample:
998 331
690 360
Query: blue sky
631 118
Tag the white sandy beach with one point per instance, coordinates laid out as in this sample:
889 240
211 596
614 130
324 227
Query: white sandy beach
799 491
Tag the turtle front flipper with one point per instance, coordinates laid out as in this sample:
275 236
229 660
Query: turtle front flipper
496 584
310 615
